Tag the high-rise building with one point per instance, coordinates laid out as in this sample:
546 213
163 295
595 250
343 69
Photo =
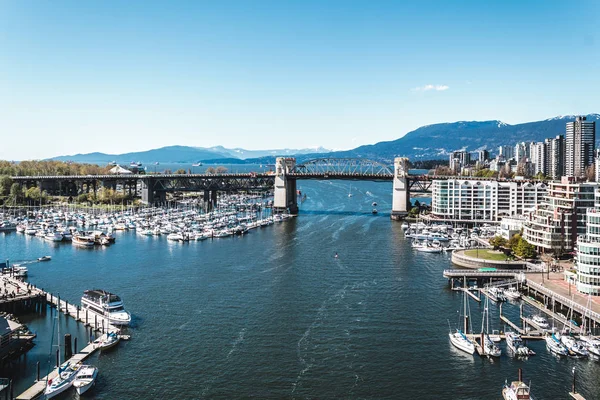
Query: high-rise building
521 151
507 152
555 157
539 158
483 155
459 159
580 146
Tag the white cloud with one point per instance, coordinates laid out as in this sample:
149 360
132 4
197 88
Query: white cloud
437 88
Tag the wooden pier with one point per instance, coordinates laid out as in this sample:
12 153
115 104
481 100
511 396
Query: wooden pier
24 291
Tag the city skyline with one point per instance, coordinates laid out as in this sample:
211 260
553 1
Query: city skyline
114 79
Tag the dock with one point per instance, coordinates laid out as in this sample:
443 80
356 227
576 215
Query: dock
557 317
25 291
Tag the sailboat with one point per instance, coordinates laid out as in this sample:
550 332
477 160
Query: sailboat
66 372
458 338
489 347
590 341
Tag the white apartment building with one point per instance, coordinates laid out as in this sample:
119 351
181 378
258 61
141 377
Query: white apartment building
554 226
481 200
588 255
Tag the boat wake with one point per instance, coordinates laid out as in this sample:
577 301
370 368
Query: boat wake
237 342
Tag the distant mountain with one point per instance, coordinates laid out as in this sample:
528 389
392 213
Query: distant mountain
438 140
184 154
428 142
246 154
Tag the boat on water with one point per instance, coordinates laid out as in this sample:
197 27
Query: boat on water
496 294
198 164
66 372
458 338
54 237
555 346
489 347
517 390
85 378
374 211
514 341
540 321
576 347
592 344
176 237
45 258
512 293
19 271
426 247
404 226
84 241
107 305
110 341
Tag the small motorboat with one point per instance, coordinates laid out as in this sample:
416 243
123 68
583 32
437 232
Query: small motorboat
374 204
111 340
45 258
541 321
512 293
517 390
85 378
374 211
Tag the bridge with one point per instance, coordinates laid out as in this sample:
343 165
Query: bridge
154 187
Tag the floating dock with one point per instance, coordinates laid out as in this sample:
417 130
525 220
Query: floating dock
24 291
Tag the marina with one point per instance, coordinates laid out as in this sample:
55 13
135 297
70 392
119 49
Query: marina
312 304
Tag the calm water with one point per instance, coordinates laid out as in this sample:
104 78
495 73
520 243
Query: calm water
275 315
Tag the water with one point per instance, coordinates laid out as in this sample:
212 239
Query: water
275 315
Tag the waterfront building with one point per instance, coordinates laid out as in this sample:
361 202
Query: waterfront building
588 255
597 166
561 216
580 145
507 152
481 200
509 226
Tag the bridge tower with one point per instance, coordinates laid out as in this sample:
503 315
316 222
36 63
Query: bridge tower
401 190
285 197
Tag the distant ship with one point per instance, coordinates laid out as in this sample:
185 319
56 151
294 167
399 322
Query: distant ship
198 164
135 164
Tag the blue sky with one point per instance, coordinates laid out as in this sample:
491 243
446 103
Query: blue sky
84 76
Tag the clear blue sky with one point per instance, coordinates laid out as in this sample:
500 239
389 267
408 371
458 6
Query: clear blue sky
118 76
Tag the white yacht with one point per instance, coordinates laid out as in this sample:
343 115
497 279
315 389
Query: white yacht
575 346
62 382
462 342
54 236
512 293
592 344
19 271
540 321
83 241
107 305
555 346
515 343
85 378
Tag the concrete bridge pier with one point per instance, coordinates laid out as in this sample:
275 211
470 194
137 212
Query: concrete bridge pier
285 198
401 190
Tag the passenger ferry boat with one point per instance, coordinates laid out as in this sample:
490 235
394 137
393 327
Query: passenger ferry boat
107 305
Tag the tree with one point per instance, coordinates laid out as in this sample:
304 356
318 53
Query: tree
5 184
498 241
33 193
524 249
514 241
180 171
210 170
221 170
16 192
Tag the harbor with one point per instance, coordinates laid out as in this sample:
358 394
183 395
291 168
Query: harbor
281 291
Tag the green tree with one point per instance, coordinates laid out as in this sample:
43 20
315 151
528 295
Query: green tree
5 184
498 241
180 171
16 192
514 241
524 249
33 194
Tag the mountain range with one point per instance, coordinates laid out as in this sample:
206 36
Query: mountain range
425 143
